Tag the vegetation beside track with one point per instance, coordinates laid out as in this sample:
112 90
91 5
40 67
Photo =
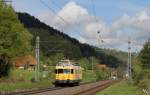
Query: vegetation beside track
22 79
141 67
9 87
121 88
89 76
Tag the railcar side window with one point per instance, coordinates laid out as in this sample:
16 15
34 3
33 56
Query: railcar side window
71 71
60 71
56 71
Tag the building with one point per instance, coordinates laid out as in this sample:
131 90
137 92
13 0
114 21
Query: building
24 62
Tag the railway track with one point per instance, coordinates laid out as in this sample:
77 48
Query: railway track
94 90
28 92
40 90
84 89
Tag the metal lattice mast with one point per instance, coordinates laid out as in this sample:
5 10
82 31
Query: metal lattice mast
129 58
37 67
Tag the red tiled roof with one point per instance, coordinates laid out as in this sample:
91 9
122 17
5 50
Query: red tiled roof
20 61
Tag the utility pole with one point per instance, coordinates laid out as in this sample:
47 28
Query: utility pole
92 64
37 67
129 65
100 39
98 32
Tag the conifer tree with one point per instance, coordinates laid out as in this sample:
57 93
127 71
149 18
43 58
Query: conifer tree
145 55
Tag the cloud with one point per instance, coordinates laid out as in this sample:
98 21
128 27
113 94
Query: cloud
73 18
70 17
138 23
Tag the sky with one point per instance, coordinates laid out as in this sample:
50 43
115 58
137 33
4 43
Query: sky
102 23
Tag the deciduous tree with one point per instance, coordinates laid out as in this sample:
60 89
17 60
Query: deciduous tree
14 38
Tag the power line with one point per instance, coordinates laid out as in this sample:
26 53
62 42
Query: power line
103 41
99 35
98 32
60 8
93 8
52 10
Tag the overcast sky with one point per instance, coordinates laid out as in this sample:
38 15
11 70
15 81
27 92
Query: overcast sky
117 20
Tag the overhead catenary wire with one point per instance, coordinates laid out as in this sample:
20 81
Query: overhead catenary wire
61 8
93 9
54 12
61 18
96 19
99 31
105 43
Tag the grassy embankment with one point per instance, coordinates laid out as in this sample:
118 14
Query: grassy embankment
121 88
89 76
21 79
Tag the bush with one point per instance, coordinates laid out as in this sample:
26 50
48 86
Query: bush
144 83
4 66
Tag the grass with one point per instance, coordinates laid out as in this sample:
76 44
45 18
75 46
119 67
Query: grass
18 74
21 79
122 88
9 87
89 76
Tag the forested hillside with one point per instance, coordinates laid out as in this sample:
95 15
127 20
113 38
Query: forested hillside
54 41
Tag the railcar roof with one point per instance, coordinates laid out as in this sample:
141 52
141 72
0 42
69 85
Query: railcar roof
68 67
67 63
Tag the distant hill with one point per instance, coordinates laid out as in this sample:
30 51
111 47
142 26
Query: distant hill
54 41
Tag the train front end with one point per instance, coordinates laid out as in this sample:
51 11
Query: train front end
67 74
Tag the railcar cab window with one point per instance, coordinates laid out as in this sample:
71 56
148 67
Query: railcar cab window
56 71
71 71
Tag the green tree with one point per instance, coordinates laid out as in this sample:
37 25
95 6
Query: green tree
145 55
137 70
53 60
84 63
141 66
14 38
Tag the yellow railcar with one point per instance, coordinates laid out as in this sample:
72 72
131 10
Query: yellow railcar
67 72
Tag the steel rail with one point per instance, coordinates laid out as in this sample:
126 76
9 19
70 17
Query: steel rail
94 90
27 92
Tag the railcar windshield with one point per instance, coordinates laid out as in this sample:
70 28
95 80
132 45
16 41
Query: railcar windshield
66 71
